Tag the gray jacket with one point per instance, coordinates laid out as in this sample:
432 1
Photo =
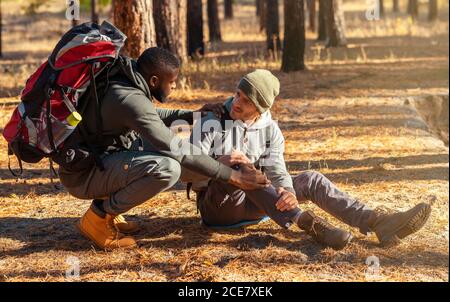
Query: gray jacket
262 143
127 106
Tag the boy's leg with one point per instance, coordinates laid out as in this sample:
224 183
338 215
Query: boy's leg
225 204
317 188
390 228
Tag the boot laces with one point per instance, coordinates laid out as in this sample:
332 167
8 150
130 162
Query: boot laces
114 228
318 224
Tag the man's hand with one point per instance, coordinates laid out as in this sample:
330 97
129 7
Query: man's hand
248 178
287 201
216 108
236 158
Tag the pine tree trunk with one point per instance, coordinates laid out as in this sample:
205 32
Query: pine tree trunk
135 19
294 40
413 8
433 10
381 7
273 27
228 9
196 44
322 22
262 15
312 14
335 23
395 6
94 15
213 21
1 30
170 19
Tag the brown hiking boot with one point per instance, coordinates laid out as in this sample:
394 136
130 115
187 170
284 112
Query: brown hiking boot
124 226
323 232
103 232
390 228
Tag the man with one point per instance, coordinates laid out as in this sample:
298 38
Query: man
225 205
136 162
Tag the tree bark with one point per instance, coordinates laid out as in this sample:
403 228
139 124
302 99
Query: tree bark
1 29
312 14
413 8
170 20
395 6
433 10
273 27
262 15
196 44
213 21
94 15
294 36
228 9
322 22
335 23
381 7
135 19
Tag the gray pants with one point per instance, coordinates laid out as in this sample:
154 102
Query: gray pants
130 178
225 204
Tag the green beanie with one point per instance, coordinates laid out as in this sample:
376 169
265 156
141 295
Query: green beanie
261 87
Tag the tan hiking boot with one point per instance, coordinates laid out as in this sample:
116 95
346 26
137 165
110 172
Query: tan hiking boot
323 232
124 226
103 232
390 228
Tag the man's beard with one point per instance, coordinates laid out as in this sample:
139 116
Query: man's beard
160 96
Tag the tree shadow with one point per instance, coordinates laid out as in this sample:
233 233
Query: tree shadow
376 175
60 234
426 159
410 122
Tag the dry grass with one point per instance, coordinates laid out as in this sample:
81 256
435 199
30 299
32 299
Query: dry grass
346 117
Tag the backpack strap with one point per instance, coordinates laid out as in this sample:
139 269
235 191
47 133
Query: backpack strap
10 153
268 144
48 94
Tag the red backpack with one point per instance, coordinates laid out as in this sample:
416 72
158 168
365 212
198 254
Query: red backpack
50 109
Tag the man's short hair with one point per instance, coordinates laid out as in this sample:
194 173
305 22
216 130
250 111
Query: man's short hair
155 60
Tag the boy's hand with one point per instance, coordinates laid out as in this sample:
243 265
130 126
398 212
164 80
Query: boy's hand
249 178
236 158
216 108
287 202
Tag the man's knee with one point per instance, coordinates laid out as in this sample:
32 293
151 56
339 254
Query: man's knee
171 170
309 177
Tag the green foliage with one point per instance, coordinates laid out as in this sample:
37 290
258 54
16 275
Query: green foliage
86 4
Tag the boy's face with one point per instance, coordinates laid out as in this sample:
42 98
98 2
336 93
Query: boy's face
243 108
162 85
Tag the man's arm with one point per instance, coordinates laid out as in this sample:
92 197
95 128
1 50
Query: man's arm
168 116
138 113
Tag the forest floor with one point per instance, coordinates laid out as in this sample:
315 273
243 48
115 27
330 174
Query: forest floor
349 116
